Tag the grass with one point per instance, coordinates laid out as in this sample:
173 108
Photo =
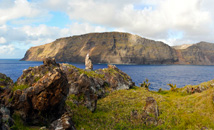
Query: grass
88 73
20 87
178 110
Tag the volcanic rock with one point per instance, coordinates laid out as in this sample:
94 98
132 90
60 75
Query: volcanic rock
40 93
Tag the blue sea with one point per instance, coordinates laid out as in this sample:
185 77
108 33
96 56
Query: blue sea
159 75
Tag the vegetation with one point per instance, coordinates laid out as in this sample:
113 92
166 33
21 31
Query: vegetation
145 84
178 110
172 87
21 87
88 73
19 125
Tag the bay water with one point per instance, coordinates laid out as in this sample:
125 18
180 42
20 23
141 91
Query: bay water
158 75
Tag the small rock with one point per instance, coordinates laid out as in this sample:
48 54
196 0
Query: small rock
151 107
63 123
88 63
151 112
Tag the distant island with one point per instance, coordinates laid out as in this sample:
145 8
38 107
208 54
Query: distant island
121 48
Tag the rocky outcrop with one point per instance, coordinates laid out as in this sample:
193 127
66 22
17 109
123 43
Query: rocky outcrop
108 47
86 87
40 93
63 123
151 112
88 63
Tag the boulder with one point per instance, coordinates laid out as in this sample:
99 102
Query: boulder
40 93
63 123
151 112
88 63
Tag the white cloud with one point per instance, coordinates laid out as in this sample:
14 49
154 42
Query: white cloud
151 18
2 40
6 49
17 9
172 21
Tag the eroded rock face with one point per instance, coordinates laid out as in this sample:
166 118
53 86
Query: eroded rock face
63 123
151 112
88 63
43 99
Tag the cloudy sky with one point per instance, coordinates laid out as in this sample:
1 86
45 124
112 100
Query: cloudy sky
27 23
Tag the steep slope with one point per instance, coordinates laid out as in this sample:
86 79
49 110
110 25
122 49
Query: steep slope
108 47
198 54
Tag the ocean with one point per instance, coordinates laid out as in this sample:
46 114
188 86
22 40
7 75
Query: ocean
158 75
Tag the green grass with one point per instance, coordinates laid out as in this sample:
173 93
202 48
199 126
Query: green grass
178 110
2 79
20 87
19 125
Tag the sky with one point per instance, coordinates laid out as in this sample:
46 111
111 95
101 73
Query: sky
28 23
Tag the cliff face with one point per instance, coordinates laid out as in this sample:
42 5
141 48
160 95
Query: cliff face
198 54
109 47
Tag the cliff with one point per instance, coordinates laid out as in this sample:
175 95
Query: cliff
108 47
197 54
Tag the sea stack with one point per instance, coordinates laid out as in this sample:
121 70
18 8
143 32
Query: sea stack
88 63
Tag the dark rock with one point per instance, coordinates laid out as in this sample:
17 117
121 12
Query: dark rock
43 99
63 123
88 63
151 112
